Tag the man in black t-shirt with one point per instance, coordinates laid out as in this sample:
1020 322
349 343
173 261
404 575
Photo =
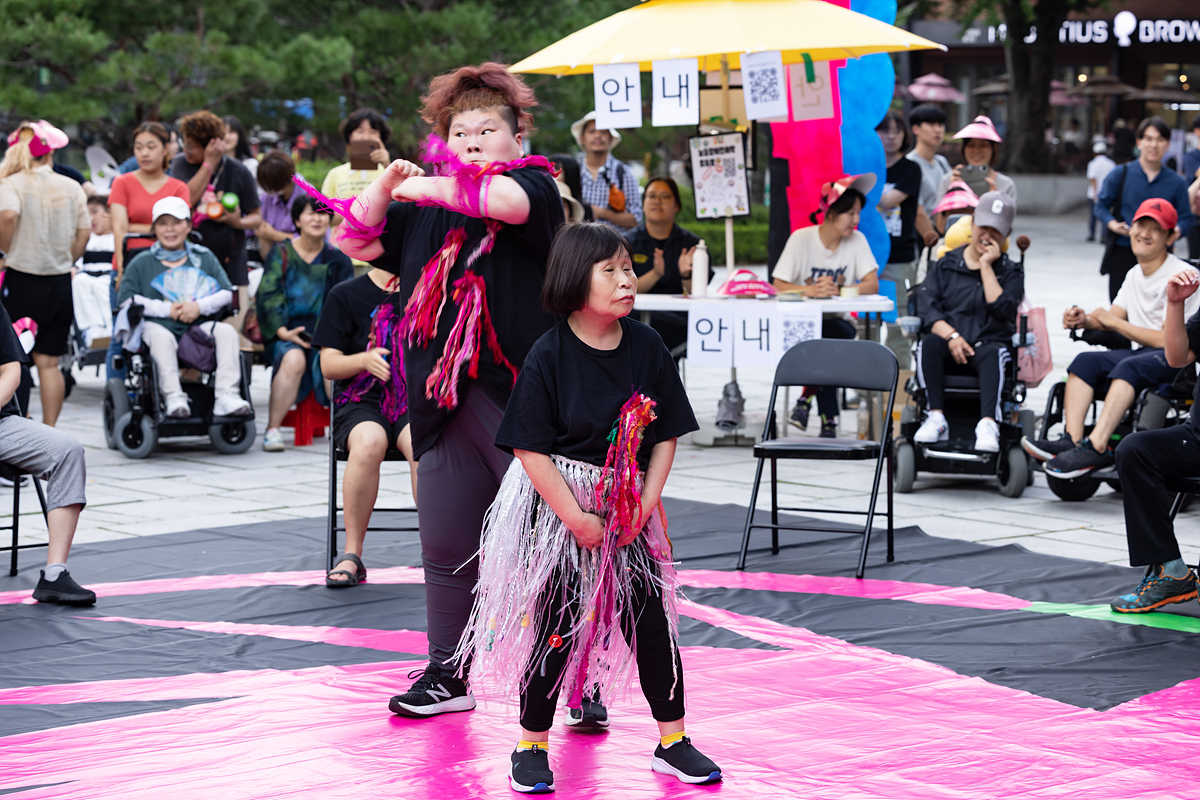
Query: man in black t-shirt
50 454
1149 460
203 164
898 205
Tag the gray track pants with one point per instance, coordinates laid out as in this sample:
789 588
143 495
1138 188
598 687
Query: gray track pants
457 480
47 453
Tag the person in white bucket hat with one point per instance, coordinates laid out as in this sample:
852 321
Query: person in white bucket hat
608 186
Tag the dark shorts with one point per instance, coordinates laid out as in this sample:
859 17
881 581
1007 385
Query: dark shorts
1142 369
46 299
347 416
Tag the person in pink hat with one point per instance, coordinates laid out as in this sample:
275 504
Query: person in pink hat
980 146
44 228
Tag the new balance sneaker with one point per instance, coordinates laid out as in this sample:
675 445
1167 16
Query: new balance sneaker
1078 461
685 762
800 412
530 772
590 718
63 590
1046 449
1156 590
829 427
436 691
987 436
933 430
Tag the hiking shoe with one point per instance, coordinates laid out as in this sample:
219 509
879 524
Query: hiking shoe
1078 461
987 436
800 412
530 771
1046 449
685 762
829 427
436 691
63 591
592 717
1155 591
933 430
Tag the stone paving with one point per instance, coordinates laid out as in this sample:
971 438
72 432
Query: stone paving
186 485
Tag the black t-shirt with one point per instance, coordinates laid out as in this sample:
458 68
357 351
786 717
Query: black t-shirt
1193 334
227 244
346 319
568 395
905 175
643 246
10 350
513 272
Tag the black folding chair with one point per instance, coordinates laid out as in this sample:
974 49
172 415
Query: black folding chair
848 363
17 476
337 454
1187 487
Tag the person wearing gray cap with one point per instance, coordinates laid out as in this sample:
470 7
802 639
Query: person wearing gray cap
968 309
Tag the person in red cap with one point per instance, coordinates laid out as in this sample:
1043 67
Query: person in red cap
44 228
1137 313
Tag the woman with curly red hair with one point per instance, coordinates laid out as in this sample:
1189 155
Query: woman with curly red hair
468 246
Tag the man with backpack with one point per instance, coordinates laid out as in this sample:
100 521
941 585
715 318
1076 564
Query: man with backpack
608 185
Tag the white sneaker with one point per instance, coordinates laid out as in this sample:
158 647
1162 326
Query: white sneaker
273 441
987 436
934 429
230 405
178 406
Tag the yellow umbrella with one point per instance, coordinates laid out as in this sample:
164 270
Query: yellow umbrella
717 32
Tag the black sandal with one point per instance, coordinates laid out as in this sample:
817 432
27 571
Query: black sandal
352 578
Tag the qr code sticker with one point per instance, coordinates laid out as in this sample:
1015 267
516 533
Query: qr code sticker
799 329
764 86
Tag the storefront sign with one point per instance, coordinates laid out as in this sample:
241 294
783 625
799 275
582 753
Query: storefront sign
1125 29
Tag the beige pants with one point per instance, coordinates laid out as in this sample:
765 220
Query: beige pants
164 349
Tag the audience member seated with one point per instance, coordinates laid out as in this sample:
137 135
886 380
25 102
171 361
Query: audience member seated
819 261
1137 314
1149 460
180 284
279 194
297 277
55 458
662 256
362 352
968 308
91 284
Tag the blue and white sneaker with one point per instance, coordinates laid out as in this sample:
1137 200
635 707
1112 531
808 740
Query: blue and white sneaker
1156 590
530 772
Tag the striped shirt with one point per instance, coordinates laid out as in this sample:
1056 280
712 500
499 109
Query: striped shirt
595 190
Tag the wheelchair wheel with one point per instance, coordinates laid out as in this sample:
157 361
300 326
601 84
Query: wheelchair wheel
135 439
904 467
1074 490
232 437
116 403
1014 472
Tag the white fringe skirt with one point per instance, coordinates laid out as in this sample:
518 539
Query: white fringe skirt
531 571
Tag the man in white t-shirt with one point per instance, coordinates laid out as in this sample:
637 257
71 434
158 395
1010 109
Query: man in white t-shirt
1137 313
1097 170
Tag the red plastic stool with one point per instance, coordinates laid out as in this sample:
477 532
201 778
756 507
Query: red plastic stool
308 419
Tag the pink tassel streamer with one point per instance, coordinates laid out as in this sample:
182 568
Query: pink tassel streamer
429 297
353 227
473 322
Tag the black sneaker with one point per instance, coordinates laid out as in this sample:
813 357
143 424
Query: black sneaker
1078 461
1046 449
829 427
436 691
800 412
591 718
1156 590
64 591
685 762
530 772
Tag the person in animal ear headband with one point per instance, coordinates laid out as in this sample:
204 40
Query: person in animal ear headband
467 237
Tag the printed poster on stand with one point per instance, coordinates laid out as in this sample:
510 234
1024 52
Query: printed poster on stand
722 186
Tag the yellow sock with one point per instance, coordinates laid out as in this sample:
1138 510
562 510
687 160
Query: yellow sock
671 738
527 745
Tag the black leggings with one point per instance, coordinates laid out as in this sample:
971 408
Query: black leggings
827 400
934 361
1147 460
657 660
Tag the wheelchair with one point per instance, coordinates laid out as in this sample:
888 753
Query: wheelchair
1157 407
134 410
957 456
